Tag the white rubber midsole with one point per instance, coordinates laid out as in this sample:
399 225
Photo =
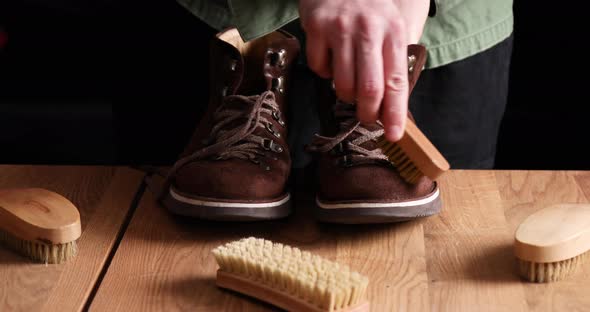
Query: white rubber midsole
197 202
410 203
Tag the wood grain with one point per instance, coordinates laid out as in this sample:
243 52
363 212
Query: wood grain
164 263
468 247
525 192
103 195
459 260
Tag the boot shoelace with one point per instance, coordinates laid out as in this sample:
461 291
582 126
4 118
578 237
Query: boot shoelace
239 142
353 153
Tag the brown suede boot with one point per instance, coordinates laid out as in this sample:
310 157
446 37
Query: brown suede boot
237 163
357 184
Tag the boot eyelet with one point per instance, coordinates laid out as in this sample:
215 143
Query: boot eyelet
271 145
233 64
277 84
411 63
278 58
271 129
276 115
282 57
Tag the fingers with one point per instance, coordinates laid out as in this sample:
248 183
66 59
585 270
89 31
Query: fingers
342 49
317 55
369 69
395 100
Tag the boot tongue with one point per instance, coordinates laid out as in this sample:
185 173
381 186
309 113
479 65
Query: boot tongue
227 67
243 61
253 82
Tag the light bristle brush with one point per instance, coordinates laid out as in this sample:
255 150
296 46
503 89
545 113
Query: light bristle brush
414 156
552 243
289 278
39 224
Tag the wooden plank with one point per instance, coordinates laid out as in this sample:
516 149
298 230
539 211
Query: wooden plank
524 192
103 196
394 259
468 248
164 263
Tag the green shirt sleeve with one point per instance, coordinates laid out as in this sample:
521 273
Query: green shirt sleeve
252 18
463 28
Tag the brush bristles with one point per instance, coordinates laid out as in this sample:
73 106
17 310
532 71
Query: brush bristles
300 274
551 271
406 168
38 251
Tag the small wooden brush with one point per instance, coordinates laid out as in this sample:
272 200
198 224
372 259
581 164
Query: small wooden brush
39 224
553 242
289 278
414 156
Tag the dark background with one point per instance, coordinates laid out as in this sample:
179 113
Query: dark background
76 79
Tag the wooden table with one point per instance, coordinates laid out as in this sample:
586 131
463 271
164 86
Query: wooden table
460 259
104 197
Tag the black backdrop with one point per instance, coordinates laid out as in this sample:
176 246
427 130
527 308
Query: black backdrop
76 79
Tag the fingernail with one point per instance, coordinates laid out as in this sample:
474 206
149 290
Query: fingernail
395 132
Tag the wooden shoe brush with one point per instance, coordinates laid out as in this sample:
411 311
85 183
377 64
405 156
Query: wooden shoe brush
414 155
551 243
289 278
39 224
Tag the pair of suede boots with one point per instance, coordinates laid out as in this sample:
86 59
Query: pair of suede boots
237 163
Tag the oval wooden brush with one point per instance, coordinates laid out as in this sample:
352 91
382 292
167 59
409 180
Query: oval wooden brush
551 243
39 223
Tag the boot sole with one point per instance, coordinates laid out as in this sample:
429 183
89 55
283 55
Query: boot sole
220 210
359 212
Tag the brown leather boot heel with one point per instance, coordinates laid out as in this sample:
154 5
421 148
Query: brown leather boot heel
237 163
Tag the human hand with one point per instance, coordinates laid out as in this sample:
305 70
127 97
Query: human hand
362 46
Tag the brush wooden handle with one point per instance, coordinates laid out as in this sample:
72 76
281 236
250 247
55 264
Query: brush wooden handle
36 214
422 152
554 233
274 296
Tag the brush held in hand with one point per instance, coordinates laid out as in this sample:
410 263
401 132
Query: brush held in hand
551 243
414 156
289 278
39 223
